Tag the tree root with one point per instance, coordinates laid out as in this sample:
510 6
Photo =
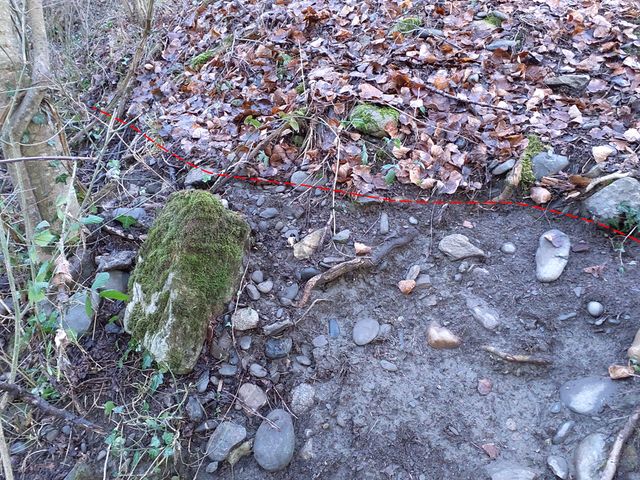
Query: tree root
517 358
616 450
355 264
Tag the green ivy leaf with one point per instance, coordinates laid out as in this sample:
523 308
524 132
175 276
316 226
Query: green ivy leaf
364 156
37 291
126 221
88 305
167 438
114 295
91 220
156 381
293 123
44 238
108 407
390 177
100 281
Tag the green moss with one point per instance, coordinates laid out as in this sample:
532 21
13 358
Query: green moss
202 58
407 24
628 220
493 19
201 244
372 119
534 147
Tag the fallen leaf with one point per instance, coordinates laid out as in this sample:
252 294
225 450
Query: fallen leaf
602 152
595 270
617 372
484 386
491 450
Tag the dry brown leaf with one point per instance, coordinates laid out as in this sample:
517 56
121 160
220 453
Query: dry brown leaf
484 386
617 372
595 270
491 450
368 92
602 152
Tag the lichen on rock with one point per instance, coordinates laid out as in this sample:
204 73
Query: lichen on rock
407 25
186 272
374 120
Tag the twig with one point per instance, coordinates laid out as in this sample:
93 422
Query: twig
616 450
606 178
44 158
355 264
463 100
516 358
512 181
46 407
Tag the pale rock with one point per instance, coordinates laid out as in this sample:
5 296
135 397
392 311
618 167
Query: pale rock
552 255
245 319
441 337
308 245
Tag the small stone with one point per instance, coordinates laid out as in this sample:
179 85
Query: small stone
388 366
508 248
423 281
203 381
576 82
406 286
266 286
342 236
278 327
540 195
384 223
563 432
505 470
458 247
413 220
320 341
278 347
291 291
244 319
552 255
303 360
589 457
122 260
481 311
252 397
223 439
504 167
308 245
588 395
75 317
605 204
245 342
212 467
602 152
595 309
273 447
556 408
227 370
194 409
302 398
484 386
252 291
258 370
257 276
413 272
306 453
502 45
440 337
308 273
269 213
334 328
365 331
559 466
545 164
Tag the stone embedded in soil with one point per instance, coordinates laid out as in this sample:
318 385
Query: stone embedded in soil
406 286
265 287
590 456
252 292
302 398
440 337
502 45
257 276
504 167
384 223
505 470
587 395
258 370
365 331
559 466
388 366
545 164
245 342
308 273
269 213
552 255
342 236
122 260
224 438
245 319
576 82
277 347
485 386
252 397
563 432
458 247
308 245
291 291
413 272
595 309
320 341
203 381
508 248
276 328
227 370
334 328
605 205
193 409
482 312
273 447
75 317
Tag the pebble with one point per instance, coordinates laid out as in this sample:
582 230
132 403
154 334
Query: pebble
245 342
194 409
595 309
458 247
308 273
302 398
440 337
504 167
252 291
486 315
257 276
556 408
384 332
278 327
268 213
320 341
252 397
567 316
384 223
212 467
587 395
334 328
291 291
244 319
342 236
413 272
266 286
303 360
227 370
559 466
501 44
301 177
258 370
508 248
365 331
571 81
563 432
423 280
552 255
223 439
589 456
121 260
273 447
278 347
413 220
505 470
388 366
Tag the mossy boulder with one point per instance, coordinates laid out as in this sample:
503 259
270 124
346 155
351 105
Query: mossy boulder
407 25
187 270
374 120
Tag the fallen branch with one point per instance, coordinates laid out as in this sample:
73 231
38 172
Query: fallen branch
606 178
356 264
17 391
516 358
616 450
44 158
463 100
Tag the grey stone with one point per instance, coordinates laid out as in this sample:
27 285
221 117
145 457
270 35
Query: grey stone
303 360
245 342
423 280
118 280
413 272
482 312
278 347
273 447
563 432
605 204
320 341
258 370
413 220
197 178
278 327
312 179
458 247
266 286
252 397
223 439
291 291
365 331
245 319
194 409
595 309
121 260
430 32
257 276
212 467
559 466
587 395
302 398
137 213
384 223
508 248
552 255
203 381
504 167
545 164
572 81
342 236
252 291
227 370
269 213
334 328
502 45
505 470
589 457
388 366
308 273
75 316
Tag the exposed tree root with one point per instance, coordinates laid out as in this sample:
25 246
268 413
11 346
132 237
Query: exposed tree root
355 264
534 360
616 450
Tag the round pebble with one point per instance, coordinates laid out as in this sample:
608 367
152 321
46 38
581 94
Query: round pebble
365 331
595 309
508 248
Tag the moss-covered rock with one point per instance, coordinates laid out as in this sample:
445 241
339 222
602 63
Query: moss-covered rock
186 272
407 25
534 147
374 120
